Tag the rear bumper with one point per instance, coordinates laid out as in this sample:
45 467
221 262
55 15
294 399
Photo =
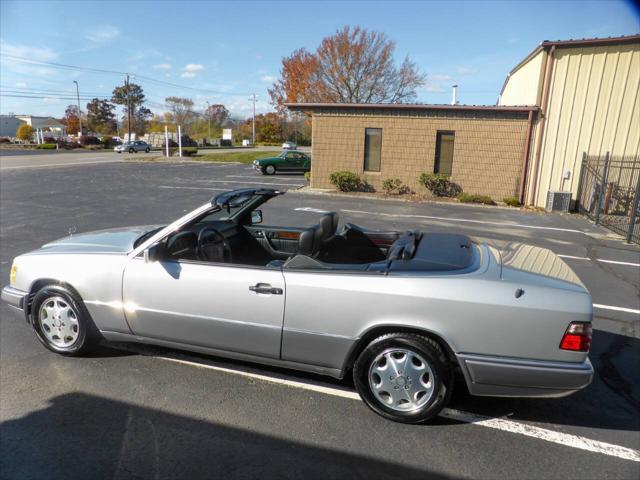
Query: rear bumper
16 299
508 377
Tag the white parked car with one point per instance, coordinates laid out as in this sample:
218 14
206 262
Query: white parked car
289 145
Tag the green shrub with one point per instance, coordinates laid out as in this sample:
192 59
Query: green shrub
345 181
46 146
439 184
512 201
307 176
394 186
189 151
107 141
473 198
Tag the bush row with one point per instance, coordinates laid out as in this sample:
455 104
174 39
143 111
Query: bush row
438 184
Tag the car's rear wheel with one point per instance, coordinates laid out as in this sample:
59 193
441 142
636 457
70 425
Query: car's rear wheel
404 377
270 169
131 150
61 321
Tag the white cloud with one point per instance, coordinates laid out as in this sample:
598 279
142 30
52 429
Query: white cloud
268 78
21 84
26 51
438 83
162 66
43 54
193 67
102 34
190 69
466 70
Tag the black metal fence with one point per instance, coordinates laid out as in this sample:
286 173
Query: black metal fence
609 193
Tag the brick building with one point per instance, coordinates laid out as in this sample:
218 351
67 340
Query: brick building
483 148
584 98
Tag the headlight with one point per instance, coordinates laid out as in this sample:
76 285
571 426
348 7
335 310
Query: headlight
14 272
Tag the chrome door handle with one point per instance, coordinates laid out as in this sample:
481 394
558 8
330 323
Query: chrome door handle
265 288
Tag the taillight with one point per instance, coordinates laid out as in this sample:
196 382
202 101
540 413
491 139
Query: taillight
577 337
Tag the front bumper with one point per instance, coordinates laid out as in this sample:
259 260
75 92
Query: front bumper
16 299
506 377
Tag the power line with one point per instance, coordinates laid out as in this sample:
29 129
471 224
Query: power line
53 97
115 72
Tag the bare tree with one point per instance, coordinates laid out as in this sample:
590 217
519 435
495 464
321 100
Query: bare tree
352 66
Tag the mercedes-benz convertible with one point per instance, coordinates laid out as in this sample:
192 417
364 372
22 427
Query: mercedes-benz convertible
403 312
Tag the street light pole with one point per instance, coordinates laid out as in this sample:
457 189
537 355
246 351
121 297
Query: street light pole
253 138
79 111
209 120
128 110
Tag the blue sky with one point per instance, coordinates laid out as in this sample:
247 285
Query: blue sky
224 51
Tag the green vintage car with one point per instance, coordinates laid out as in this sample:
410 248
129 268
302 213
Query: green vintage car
287 161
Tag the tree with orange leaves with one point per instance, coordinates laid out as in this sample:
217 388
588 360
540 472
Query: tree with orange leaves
352 66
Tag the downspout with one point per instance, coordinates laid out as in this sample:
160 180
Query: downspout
543 117
525 159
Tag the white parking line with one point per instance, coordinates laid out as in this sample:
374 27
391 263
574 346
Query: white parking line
616 262
449 219
255 183
566 439
49 165
195 188
618 309
253 177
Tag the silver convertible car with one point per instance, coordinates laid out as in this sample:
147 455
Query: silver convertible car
403 312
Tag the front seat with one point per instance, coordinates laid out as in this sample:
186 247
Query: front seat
309 244
329 224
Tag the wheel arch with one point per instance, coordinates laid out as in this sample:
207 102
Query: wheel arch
374 332
42 282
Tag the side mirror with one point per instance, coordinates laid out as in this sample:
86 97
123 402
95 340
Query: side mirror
152 254
256 217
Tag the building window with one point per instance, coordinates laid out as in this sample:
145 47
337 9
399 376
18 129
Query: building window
372 149
444 153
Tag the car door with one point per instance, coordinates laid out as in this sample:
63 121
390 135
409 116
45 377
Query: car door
291 161
220 306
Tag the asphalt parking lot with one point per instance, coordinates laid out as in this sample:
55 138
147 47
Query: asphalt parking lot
138 412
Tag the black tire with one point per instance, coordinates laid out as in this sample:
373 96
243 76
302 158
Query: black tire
88 335
426 348
131 150
270 170
263 171
147 150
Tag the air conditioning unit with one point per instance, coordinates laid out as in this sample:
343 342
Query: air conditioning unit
558 201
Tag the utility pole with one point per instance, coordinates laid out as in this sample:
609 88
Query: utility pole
208 120
253 138
128 108
79 111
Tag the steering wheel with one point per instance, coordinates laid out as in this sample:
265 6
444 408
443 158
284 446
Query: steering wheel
212 246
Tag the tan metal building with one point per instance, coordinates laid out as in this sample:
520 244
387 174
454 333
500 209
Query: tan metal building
588 92
482 148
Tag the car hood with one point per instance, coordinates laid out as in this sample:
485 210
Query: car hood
267 159
119 240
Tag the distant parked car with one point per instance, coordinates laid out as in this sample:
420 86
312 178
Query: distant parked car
134 146
289 146
287 161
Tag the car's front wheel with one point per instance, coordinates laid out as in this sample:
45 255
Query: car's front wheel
270 169
131 150
147 150
404 377
61 321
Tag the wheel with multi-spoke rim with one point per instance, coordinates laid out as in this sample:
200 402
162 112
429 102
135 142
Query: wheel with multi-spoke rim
270 169
61 321
403 377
